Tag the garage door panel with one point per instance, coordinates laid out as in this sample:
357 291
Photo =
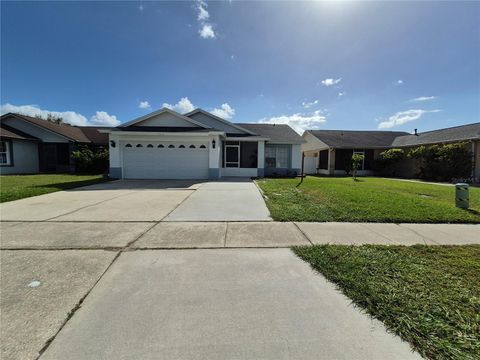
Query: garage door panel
165 163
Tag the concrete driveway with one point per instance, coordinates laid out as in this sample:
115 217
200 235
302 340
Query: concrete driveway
144 201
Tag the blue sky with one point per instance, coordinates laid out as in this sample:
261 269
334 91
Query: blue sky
327 65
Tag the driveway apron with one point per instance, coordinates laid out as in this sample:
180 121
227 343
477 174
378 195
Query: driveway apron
223 201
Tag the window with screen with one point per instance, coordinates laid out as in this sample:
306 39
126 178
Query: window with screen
277 156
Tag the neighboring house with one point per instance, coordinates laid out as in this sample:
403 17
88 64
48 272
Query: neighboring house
31 145
327 151
199 145
466 133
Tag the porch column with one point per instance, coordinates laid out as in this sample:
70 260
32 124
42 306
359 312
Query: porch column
261 159
296 163
214 157
331 162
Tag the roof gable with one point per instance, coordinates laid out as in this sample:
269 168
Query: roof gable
164 118
217 122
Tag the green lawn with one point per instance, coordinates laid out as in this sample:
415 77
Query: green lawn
14 187
428 295
366 200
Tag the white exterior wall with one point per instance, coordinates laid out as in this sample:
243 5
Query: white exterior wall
214 154
166 119
261 155
114 152
310 165
312 143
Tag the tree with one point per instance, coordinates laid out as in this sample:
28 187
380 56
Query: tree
357 160
54 118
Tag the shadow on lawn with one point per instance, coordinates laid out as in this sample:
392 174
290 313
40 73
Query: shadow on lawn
473 212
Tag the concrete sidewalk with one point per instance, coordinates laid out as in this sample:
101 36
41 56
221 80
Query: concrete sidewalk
186 235
220 304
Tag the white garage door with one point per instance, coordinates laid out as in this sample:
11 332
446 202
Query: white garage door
170 160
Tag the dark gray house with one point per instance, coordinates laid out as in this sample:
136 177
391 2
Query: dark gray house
327 151
30 145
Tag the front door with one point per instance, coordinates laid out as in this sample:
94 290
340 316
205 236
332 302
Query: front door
232 156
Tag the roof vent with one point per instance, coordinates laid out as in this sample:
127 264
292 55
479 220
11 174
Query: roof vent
416 132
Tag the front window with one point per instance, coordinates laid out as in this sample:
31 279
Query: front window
276 156
4 153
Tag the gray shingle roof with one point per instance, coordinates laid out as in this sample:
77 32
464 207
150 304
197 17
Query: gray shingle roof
356 139
277 132
8 132
458 133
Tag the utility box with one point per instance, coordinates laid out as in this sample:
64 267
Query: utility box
462 198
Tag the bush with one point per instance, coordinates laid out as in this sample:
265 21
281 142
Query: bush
443 162
88 160
387 159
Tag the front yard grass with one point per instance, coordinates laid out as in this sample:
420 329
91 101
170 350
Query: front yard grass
366 200
14 187
428 295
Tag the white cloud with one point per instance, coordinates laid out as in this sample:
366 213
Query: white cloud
330 81
299 122
403 117
207 32
424 98
102 118
140 8
342 93
68 117
144 105
202 12
183 106
232 57
225 111
307 105
399 82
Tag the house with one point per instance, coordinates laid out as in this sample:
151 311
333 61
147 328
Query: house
199 145
328 151
30 145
